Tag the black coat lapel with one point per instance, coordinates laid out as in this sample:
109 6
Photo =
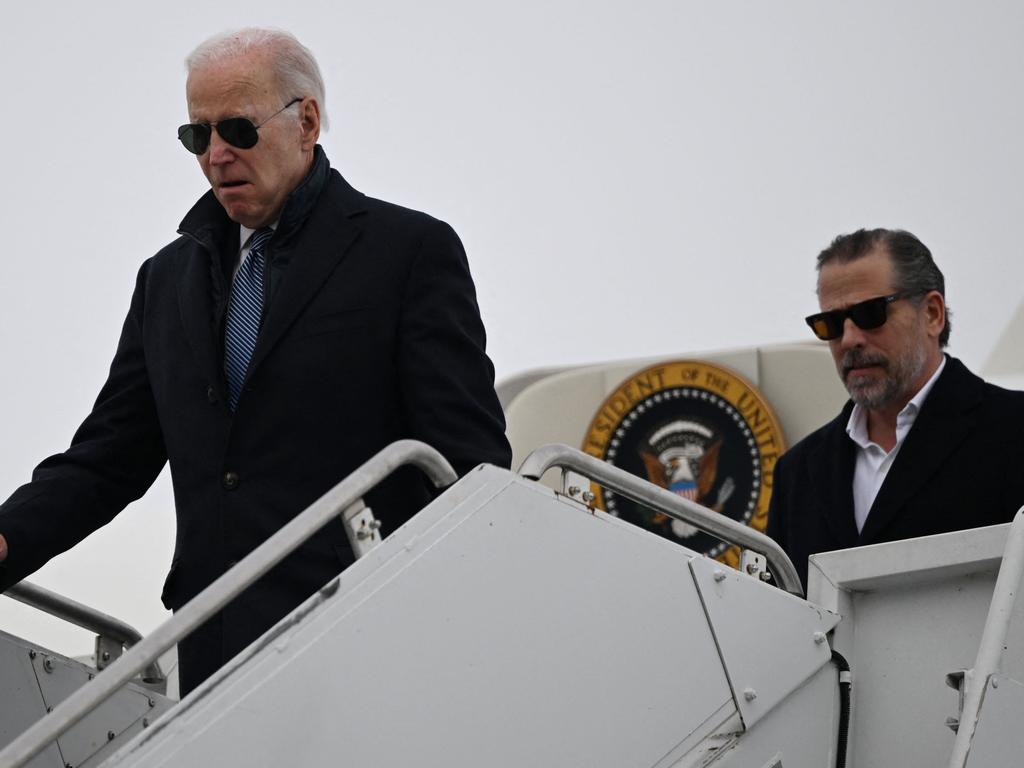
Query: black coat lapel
195 303
944 422
316 250
202 286
833 481
318 226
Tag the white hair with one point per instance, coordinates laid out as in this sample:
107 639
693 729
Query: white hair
295 68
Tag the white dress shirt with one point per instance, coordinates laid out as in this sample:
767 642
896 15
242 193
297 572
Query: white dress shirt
244 235
872 461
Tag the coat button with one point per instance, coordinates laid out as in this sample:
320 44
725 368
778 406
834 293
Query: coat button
211 395
229 481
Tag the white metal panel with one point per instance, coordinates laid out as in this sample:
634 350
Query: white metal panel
105 728
906 641
901 563
33 680
1005 364
999 738
771 641
58 678
912 611
799 733
21 701
502 626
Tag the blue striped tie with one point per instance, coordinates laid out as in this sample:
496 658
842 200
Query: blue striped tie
245 309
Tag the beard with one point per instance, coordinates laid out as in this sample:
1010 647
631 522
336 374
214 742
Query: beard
872 391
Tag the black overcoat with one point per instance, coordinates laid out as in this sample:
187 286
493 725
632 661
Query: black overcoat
372 334
960 466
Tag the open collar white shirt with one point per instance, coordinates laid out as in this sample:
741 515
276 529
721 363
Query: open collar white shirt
873 462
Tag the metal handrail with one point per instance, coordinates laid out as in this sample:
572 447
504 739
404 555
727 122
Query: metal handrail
993 640
85 617
671 504
224 589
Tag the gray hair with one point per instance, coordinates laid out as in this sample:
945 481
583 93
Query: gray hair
915 270
295 68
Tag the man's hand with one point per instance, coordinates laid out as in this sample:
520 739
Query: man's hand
3 548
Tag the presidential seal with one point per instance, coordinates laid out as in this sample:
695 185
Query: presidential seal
698 430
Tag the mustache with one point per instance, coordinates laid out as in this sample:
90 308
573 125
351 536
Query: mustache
856 358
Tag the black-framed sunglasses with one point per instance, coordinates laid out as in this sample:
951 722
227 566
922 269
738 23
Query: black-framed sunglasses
866 315
239 132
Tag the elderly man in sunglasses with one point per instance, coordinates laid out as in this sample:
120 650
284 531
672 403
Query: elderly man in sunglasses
295 328
923 446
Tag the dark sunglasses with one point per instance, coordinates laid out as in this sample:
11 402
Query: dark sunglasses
866 315
239 132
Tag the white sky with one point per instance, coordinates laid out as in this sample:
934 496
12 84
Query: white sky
630 179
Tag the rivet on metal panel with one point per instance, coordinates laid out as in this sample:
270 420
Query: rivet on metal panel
749 694
106 656
151 703
49 709
111 735
995 683
719 575
588 497
819 638
31 654
574 490
364 531
48 664
145 722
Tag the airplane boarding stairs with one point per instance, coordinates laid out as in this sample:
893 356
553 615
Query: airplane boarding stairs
508 624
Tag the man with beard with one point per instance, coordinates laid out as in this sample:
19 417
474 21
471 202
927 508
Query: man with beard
923 446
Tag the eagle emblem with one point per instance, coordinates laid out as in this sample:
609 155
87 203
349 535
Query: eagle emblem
682 457
698 430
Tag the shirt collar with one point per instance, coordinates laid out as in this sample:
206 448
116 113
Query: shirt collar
857 425
244 233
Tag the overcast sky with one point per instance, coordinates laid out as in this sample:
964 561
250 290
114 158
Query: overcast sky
630 179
